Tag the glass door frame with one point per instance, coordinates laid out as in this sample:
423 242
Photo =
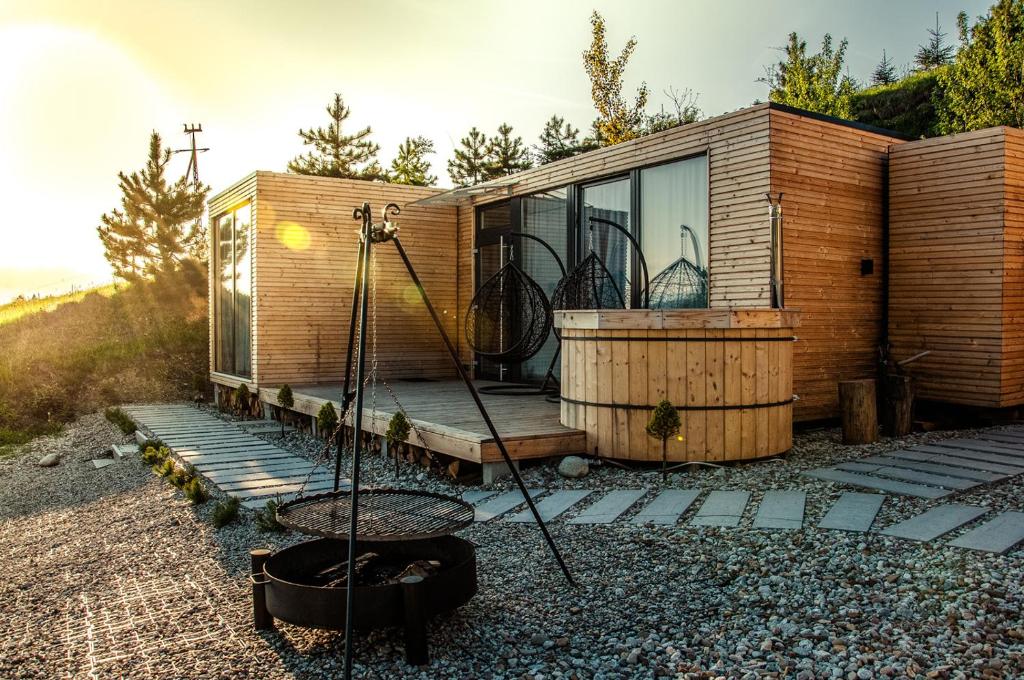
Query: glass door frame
578 239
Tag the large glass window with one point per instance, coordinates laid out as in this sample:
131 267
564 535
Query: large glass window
233 293
674 231
609 202
544 216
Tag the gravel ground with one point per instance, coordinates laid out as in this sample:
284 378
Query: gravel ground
113 574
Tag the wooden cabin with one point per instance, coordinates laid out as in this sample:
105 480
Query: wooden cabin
821 185
956 258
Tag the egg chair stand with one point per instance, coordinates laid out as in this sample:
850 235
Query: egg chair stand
549 385
371 234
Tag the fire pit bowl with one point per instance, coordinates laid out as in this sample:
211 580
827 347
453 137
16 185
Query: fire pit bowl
284 585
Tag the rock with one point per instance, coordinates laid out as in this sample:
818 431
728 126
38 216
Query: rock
49 460
573 467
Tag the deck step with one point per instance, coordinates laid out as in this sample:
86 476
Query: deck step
495 507
854 511
551 506
997 535
721 509
880 483
667 507
935 522
609 507
781 510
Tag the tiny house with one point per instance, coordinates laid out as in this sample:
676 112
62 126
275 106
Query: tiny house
794 221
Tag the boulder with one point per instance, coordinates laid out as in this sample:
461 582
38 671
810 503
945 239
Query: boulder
49 460
573 467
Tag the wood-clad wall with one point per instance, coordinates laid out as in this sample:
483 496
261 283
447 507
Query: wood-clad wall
737 148
833 179
304 268
956 234
242 191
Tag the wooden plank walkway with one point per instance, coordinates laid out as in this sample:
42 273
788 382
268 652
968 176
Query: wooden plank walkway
237 462
937 469
446 420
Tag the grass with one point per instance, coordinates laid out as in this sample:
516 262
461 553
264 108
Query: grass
14 310
266 519
225 512
121 419
70 355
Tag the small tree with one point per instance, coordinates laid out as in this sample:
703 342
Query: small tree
468 167
664 423
397 433
935 52
506 154
685 111
285 400
885 72
618 120
984 86
327 420
411 166
816 82
242 399
158 226
336 154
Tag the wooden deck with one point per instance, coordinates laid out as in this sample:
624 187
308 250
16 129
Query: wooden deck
445 419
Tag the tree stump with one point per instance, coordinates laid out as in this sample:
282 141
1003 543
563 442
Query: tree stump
859 411
899 405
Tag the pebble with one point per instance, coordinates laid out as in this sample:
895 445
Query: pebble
49 460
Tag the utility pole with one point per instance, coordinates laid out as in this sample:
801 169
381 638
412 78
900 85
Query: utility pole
193 162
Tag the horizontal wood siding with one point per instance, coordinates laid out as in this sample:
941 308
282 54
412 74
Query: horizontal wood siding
1012 391
242 191
947 266
833 180
303 292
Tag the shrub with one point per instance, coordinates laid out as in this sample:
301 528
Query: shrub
225 512
180 477
397 433
155 455
242 399
165 468
195 491
286 401
664 423
327 420
907 106
151 444
121 419
266 519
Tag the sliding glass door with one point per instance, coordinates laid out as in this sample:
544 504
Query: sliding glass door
608 201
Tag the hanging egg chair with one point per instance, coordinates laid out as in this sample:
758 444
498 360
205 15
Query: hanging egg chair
588 286
684 283
509 317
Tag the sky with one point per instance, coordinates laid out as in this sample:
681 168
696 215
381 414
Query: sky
82 85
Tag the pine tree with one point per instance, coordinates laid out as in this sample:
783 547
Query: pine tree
885 72
468 166
335 154
984 86
618 120
664 423
157 226
816 82
558 140
936 52
506 154
411 166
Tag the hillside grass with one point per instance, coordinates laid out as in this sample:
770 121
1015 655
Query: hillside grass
143 342
14 310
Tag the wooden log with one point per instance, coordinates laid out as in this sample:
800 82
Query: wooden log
858 409
898 416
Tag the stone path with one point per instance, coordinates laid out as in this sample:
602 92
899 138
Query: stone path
778 510
938 469
230 456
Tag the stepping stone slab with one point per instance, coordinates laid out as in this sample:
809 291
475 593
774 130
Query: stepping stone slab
502 504
984 447
954 461
910 475
258 503
721 509
880 483
277 461
201 462
552 506
997 535
257 482
933 523
608 508
667 507
970 455
474 497
101 462
854 511
944 470
221 477
269 492
1004 439
781 510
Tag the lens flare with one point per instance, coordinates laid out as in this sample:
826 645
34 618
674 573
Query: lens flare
293 235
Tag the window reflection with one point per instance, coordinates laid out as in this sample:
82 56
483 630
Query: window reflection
233 294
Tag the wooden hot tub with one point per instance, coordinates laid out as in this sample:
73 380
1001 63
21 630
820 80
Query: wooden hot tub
729 372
